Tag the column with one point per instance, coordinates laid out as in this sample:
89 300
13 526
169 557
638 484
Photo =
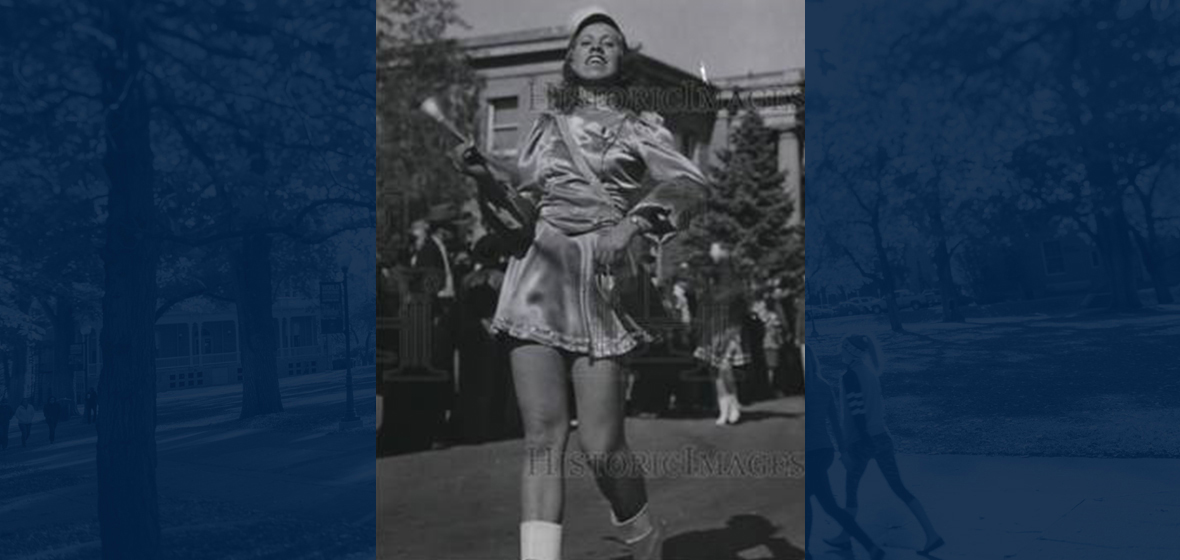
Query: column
788 162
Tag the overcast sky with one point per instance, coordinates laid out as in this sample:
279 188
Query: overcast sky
731 37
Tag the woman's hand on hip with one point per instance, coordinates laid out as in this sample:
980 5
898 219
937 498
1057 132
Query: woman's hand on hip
612 245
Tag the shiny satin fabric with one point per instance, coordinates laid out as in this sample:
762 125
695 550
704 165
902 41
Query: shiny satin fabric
554 295
632 156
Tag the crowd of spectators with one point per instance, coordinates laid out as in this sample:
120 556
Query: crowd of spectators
445 377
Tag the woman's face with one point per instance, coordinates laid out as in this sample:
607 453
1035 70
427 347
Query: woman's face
419 230
596 52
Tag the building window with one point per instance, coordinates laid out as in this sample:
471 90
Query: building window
290 289
302 331
171 341
219 337
503 125
1054 258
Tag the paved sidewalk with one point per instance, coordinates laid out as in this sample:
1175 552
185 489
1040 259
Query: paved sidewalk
227 485
1022 508
463 503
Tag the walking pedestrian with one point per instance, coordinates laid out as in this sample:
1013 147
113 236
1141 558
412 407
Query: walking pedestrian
723 347
91 403
772 341
53 413
561 302
821 412
865 436
6 413
24 419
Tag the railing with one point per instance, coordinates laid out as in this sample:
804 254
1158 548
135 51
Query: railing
297 351
190 361
178 361
224 358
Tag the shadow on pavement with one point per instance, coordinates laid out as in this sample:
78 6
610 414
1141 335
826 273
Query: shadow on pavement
742 536
757 415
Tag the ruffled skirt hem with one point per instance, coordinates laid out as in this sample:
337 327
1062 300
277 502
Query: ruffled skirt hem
553 295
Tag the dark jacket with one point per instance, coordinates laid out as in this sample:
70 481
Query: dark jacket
52 412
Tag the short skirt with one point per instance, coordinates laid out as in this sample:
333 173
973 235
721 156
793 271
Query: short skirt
724 348
553 295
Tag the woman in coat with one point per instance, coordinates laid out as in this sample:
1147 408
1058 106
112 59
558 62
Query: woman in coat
24 419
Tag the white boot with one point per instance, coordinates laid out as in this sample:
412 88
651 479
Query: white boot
643 535
723 408
540 540
735 410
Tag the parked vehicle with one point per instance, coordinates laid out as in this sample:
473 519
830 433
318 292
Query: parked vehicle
866 305
906 298
819 311
933 297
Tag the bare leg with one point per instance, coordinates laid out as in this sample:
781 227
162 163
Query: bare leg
854 472
539 373
887 461
599 387
818 486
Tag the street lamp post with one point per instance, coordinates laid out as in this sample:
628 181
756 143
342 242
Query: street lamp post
350 419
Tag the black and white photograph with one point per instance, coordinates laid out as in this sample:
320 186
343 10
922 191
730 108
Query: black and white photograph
590 258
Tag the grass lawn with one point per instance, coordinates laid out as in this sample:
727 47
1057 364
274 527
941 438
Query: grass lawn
1079 384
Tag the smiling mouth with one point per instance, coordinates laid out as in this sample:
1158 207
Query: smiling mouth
596 60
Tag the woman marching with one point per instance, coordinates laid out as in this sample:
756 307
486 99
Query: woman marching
820 454
602 178
866 437
723 347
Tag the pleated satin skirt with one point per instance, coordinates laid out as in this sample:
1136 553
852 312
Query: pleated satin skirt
554 296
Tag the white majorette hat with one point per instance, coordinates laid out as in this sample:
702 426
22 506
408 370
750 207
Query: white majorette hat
592 14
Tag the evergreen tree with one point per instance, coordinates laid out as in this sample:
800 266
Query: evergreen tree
749 209
416 60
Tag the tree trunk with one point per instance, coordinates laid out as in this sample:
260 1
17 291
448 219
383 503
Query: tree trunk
1113 233
19 356
886 277
62 383
128 513
20 362
258 342
1152 259
942 261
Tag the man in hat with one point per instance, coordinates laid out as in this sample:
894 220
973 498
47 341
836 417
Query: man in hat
430 246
